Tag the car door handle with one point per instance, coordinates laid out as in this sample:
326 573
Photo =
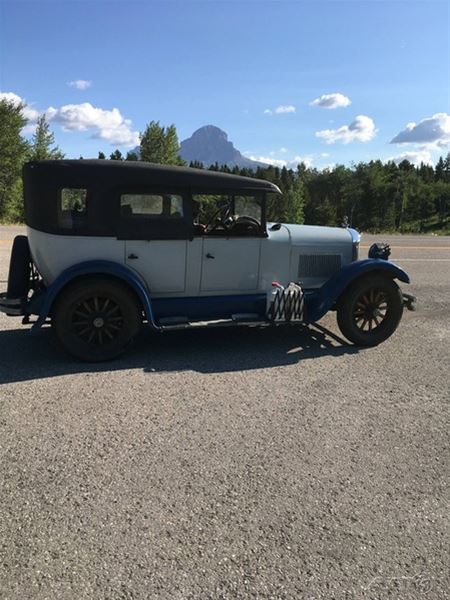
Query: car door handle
209 255
132 256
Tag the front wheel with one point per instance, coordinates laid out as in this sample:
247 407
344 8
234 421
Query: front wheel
370 310
96 320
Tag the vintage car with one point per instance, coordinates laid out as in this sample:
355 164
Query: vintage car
111 245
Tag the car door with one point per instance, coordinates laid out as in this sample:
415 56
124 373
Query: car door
162 263
230 264
147 218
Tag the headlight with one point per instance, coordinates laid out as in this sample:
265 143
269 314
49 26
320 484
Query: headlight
356 237
380 251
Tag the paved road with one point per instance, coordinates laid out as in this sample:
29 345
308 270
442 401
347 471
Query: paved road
232 464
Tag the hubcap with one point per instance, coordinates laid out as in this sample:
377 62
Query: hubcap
370 310
97 320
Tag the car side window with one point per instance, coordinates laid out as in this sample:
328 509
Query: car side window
230 215
72 208
248 206
151 206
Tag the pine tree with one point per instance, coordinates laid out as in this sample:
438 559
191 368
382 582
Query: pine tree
42 144
388 223
116 155
13 153
196 164
172 147
101 156
160 145
440 170
447 168
327 213
132 156
296 204
152 143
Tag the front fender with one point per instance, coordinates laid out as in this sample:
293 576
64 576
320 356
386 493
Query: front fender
319 302
96 267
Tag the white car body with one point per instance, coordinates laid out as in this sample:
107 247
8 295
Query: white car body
176 268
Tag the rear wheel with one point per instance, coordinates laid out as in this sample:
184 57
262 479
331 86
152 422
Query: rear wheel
370 310
96 320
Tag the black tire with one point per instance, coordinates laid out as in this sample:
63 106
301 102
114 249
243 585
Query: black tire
370 310
19 268
96 319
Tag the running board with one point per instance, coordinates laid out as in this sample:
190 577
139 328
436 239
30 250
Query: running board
173 321
212 324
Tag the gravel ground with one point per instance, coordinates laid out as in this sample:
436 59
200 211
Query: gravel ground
232 464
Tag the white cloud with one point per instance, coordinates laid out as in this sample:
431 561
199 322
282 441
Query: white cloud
280 110
279 162
362 129
324 155
284 110
80 84
336 100
280 151
269 160
307 160
29 129
108 125
416 158
433 130
28 112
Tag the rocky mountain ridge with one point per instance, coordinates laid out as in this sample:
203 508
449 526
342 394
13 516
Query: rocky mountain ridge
209 144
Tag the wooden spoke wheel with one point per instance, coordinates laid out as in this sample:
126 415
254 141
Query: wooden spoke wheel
97 320
370 310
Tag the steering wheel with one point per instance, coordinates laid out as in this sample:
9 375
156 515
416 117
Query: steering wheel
248 220
222 214
246 223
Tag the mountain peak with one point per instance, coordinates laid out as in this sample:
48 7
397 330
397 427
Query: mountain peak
209 144
210 131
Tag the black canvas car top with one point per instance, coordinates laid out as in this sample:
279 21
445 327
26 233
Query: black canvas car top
106 179
110 172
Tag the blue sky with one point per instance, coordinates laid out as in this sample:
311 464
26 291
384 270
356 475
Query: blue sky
253 68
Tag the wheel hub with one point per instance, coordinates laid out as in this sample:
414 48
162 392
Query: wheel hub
98 322
370 310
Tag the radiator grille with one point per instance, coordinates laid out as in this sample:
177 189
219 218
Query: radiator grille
318 265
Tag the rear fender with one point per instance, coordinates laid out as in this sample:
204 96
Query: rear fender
95 267
319 302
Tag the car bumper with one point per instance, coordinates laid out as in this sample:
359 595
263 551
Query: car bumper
409 301
13 307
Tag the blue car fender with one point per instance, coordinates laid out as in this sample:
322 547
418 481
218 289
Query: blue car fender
319 302
95 267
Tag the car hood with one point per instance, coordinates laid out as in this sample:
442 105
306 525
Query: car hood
314 234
